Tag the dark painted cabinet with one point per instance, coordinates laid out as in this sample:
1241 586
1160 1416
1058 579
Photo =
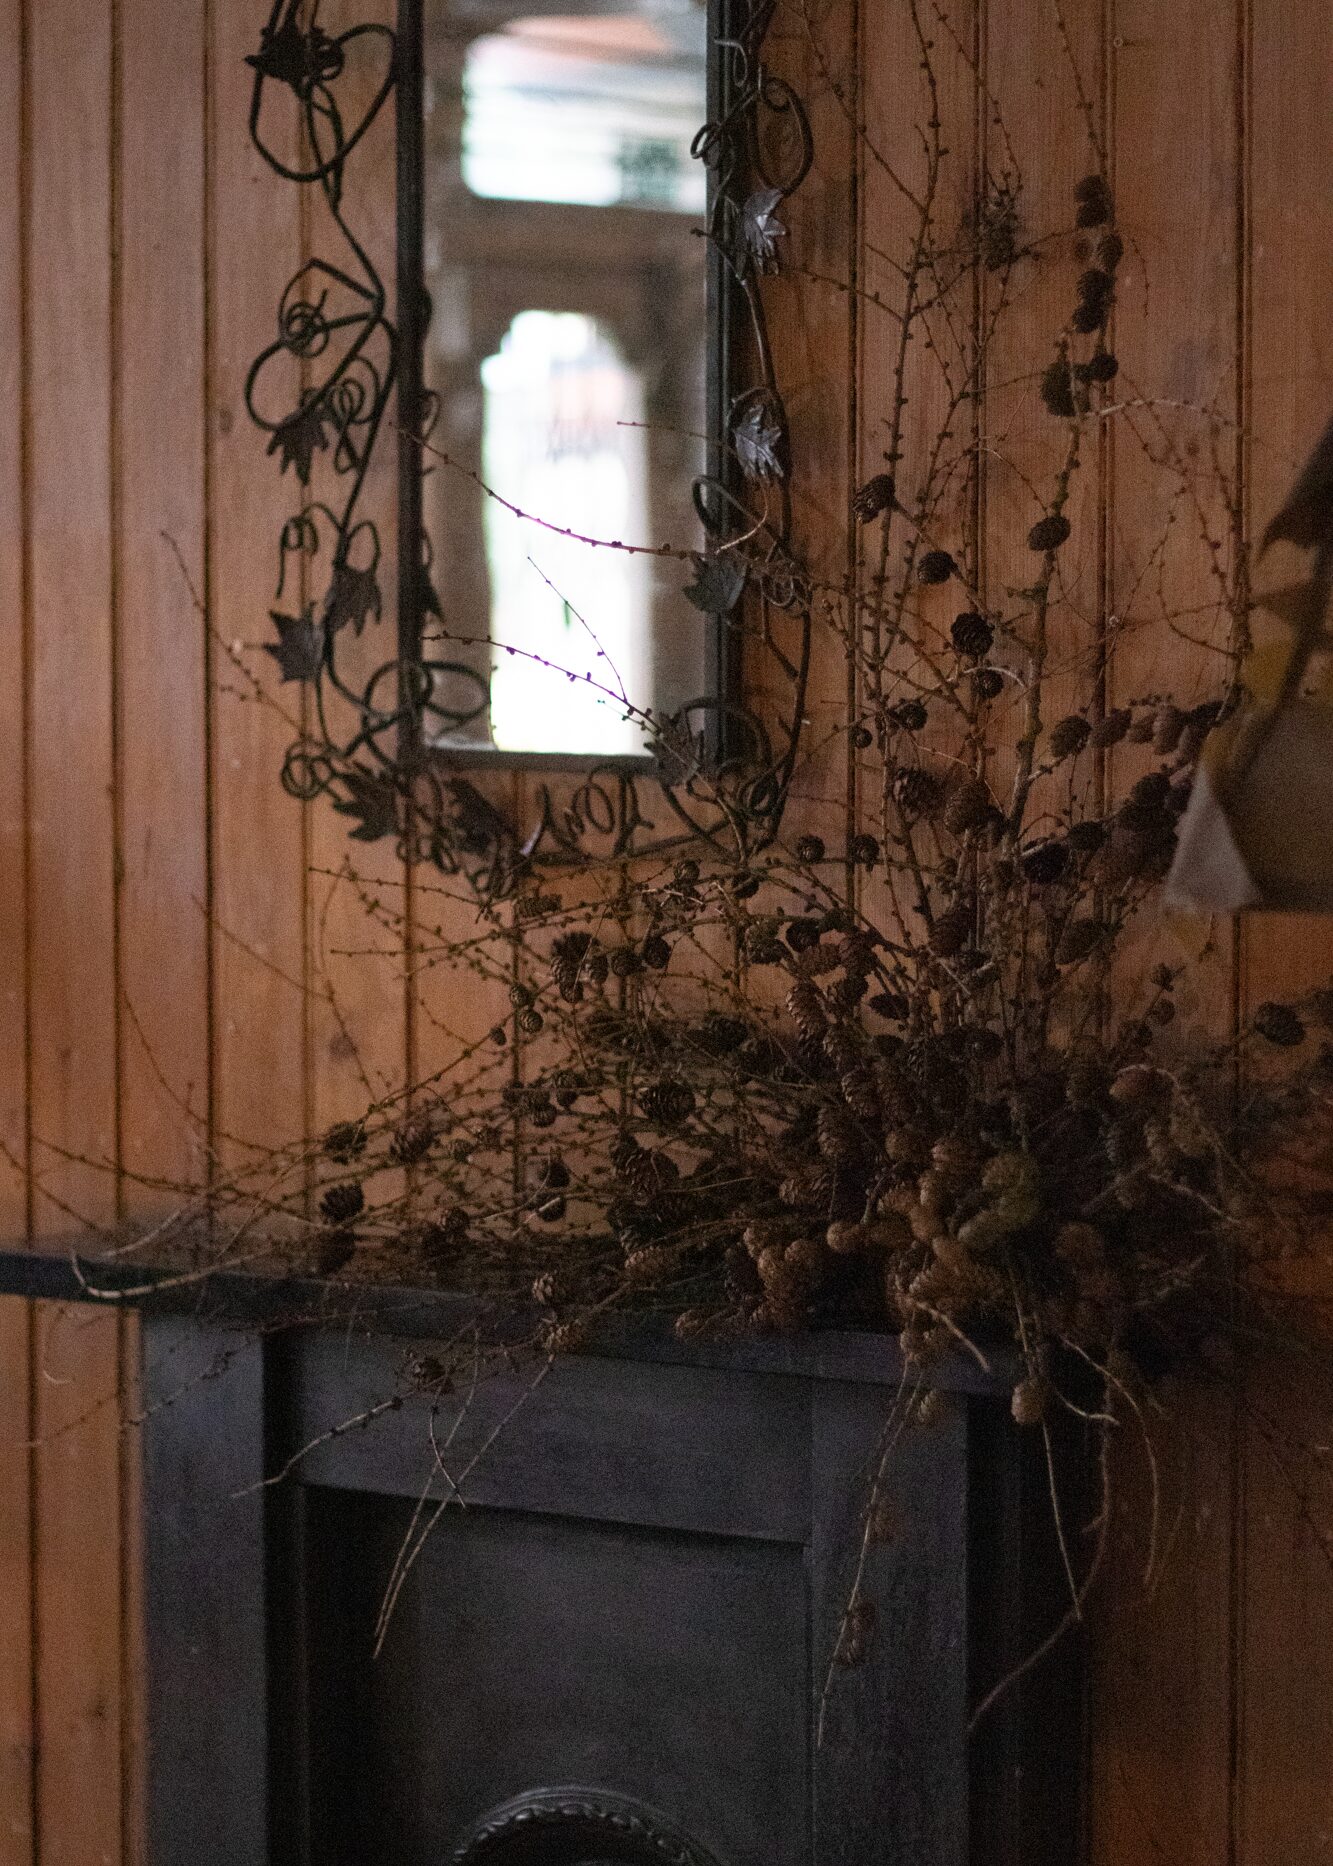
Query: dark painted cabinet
614 1643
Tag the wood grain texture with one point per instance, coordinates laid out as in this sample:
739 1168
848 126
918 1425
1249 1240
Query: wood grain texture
161 695
16 1626
1163 1675
71 914
1284 1633
916 355
358 929
141 259
260 854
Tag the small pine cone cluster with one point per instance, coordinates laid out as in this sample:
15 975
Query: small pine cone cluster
667 1102
1030 1400
1057 390
909 715
646 1171
877 495
412 1142
576 960
1069 736
343 1202
917 791
843 1048
972 635
836 1131
1169 724
1096 295
790 1276
740 1276
763 947
530 907
951 930
651 1266
720 1035
807 1186
987 684
968 809
345 1141
802 932
1279 1025
936 567
861 1095
566 1338
550 1289
805 1004
844 994
1092 198
1010 1186
1049 533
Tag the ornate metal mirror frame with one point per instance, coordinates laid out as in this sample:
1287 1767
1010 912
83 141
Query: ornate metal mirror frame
713 769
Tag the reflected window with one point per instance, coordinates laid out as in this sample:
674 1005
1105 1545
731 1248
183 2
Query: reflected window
593 110
563 434
566 349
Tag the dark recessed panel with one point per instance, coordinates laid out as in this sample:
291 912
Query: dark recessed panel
530 1652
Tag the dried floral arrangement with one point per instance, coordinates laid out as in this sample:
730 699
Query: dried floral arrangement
914 1076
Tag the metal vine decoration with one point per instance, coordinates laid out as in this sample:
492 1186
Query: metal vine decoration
321 390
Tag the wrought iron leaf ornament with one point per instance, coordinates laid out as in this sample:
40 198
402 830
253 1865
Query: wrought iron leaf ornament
353 599
371 801
299 649
761 229
758 436
717 584
715 772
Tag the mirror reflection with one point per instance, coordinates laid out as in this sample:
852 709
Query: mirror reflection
566 348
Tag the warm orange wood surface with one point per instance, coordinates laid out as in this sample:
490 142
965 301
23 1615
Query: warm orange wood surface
170 986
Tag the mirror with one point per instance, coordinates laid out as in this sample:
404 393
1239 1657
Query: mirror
563 356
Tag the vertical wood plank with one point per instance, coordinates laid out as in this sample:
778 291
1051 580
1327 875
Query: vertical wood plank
207 1679
161 640
16 1628
163 659
911 1687
16 1581
73 835
1046 131
358 924
916 358
1286 1630
260 1090
1161 1667
813 46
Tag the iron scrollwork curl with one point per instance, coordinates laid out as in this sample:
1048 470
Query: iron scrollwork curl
718 771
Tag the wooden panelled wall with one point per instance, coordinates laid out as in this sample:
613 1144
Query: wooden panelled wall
170 989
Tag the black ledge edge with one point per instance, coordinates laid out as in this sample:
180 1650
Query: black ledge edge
56 1270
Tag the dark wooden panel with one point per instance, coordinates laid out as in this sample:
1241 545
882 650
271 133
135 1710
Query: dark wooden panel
903 1795
612 1441
528 1652
204 1585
